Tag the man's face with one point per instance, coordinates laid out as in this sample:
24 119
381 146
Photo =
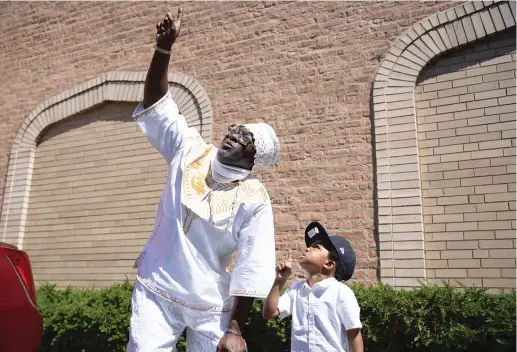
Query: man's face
237 148
315 258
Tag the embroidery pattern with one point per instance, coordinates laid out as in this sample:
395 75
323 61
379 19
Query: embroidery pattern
190 216
148 284
166 99
246 293
205 198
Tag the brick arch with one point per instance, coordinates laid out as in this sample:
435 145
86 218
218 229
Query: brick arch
190 96
400 225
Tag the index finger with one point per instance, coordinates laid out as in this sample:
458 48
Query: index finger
180 13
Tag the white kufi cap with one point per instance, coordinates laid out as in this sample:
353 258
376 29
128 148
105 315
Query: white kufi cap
267 145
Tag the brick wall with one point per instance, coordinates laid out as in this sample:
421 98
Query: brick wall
466 124
306 68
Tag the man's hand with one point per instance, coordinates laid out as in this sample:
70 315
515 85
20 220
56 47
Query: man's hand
283 271
168 29
231 343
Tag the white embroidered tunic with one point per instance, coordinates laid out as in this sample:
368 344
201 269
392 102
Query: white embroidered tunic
200 222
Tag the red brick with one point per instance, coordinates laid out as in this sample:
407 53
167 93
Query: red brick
239 53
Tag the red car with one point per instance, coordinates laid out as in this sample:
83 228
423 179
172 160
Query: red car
21 324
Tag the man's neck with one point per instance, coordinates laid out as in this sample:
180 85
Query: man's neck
314 278
225 173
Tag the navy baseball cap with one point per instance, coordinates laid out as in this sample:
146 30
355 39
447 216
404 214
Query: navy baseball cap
346 256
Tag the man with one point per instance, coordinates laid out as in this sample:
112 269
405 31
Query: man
211 206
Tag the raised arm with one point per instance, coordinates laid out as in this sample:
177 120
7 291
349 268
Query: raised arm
157 115
156 82
270 310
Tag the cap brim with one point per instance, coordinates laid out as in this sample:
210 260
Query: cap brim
316 232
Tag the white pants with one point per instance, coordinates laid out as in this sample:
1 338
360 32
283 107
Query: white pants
157 323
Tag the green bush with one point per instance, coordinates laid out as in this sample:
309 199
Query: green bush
436 319
93 320
427 319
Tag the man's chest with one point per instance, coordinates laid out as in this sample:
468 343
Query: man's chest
206 200
221 205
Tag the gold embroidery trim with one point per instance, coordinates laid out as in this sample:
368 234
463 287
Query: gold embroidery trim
151 288
246 293
206 198
153 107
190 216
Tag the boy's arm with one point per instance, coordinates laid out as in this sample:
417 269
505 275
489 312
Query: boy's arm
355 340
270 310
349 313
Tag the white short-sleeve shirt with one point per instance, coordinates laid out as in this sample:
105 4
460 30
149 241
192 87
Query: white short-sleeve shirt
321 315
201 222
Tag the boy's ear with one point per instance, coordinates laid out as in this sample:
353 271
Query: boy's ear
330 264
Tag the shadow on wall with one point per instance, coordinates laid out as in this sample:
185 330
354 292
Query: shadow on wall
450 61
85 118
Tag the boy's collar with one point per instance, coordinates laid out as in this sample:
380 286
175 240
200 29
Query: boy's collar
321 286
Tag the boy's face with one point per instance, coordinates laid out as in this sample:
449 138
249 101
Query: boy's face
315 258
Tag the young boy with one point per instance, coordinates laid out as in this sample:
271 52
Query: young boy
325 311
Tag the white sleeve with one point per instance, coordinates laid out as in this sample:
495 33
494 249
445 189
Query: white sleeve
254 270
348 309
285 303
163 125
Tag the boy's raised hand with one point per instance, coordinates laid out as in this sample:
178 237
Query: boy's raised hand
283 271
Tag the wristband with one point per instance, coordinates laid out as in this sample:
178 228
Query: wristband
230 331
163 51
